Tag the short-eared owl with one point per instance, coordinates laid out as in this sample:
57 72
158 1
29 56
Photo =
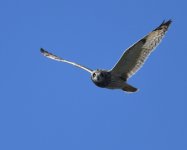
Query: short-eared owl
129 63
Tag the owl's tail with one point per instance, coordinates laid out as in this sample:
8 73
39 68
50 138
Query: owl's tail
129 88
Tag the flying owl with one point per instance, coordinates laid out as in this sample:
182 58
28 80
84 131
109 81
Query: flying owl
129 63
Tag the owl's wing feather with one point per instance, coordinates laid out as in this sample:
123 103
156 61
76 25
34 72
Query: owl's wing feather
54 57
134 57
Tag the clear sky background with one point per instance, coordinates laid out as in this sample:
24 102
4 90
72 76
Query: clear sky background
47 105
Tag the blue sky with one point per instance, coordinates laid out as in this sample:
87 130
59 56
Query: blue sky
47 105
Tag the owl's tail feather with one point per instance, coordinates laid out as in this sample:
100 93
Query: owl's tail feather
129 88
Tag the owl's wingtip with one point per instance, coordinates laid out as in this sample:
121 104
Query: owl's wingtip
167 23
42 50
164 24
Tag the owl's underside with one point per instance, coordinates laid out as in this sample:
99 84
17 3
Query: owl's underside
130 62
105 79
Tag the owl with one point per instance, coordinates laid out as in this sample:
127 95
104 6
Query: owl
129 63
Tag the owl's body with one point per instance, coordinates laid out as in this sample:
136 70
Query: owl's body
105 79
129 63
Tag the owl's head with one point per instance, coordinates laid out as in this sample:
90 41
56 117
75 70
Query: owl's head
101 78
98 76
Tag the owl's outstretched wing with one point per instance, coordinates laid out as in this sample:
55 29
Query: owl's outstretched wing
54 57
134 57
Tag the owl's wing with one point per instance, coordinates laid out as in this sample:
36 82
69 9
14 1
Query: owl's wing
54 57
134 57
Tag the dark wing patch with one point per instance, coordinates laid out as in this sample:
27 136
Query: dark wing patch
163 24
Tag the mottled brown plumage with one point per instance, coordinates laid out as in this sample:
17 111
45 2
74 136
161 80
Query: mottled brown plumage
134 57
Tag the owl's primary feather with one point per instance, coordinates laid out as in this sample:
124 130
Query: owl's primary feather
134 57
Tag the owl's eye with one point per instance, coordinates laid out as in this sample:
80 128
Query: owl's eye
94 74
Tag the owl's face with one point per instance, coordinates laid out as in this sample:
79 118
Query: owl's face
98 76
101 78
